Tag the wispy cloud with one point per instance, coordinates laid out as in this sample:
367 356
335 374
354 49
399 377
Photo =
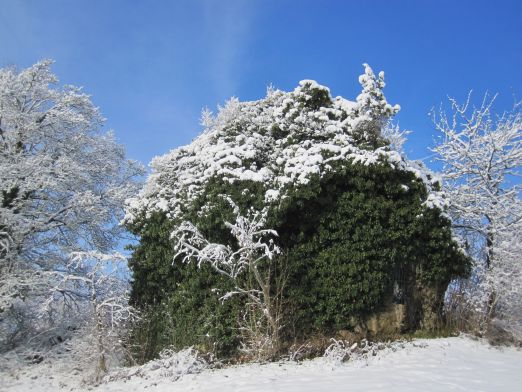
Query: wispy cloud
228 29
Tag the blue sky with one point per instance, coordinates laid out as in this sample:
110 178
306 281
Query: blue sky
151 66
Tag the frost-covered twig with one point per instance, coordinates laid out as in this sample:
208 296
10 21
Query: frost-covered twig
63 183
90 282
482 156
254 256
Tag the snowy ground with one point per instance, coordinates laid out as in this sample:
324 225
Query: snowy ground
451 364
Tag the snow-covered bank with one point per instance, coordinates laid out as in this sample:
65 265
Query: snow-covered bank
450 364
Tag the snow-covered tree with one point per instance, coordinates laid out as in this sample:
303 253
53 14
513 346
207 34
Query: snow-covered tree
92 288
62 186
250 268
482 158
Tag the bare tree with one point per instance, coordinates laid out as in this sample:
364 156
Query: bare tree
63 183
93 285
482 158
254 258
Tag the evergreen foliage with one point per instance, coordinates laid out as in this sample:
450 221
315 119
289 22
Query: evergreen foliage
179 301
349 210
346 245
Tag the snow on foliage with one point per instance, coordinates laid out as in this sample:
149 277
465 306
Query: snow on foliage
282 141
338 351
170 365
250 236
255 248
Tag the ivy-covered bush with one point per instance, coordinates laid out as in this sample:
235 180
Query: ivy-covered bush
346 246
350 212
179 302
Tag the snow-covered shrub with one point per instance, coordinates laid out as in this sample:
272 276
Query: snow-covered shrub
170 364
364 351
253 252
282 141
92 281
174 364
84 320
351 212
338 352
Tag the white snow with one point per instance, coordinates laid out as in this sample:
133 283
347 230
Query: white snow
278 141
449 364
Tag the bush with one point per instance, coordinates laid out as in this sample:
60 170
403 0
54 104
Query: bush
360 227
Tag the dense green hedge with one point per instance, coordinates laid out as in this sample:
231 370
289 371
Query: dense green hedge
343 237
345 245
179 307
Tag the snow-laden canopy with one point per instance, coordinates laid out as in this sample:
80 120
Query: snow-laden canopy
282 141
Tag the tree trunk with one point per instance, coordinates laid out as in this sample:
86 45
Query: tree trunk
492 299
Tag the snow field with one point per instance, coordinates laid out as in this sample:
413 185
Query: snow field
448 364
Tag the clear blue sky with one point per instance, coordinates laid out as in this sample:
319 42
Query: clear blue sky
151 66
